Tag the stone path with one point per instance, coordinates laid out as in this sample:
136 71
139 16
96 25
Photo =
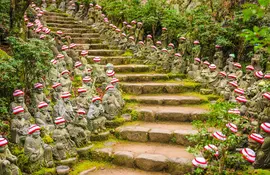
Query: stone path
164 109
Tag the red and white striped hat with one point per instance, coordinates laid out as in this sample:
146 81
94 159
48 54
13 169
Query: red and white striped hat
38 85
212 67
164 28
206 63
38 30
141 42
197 59
47 31
84 52
72 45
55 85
133 22
42 104
118 30
87 79
239 91
149 36
232 127
196 42
89 69
223 74
131 37
125 22
60 56
29 24
249 154
59 120
64 47
267 76
39 14
158 42
234 111
199 162
18 93
26 19
33 128
256 137
114 80
110 73
18 109
129 26
211 148
259 74
217 46
233 83
80 90
59 32
139 23
65 95
42 36
123 34
266 127
3 141
182 38
154 47
241 99
250 67
109 87
65 72
114 27
96 59
81 111
91 4
219 135
232 76
164 50
171 45
78 64
266 95
53 61
177 55
95 99
237 65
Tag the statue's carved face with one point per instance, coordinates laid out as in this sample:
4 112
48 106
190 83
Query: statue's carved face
97 103
66 76
36 134
19 99
66 100
3 148
61 125
80 116
40 90
82 94
20 115
44 109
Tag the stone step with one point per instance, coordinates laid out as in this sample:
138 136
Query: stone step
103 52
116 60
91 46
159 87
74 30
83 35
142 77
56 18
132 68
162 132
86 40
48 20
146 156
55 14
170 113
58 25
168 99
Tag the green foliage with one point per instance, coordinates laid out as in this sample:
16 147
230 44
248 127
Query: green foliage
43 171
4 14
85 165
47 139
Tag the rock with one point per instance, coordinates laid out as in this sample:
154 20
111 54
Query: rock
206 91
139 134
103 154
68 162
151 162
88 171
146 115
126 117
114 123
124 158
179 166
84 152
160 135
100 136
180 137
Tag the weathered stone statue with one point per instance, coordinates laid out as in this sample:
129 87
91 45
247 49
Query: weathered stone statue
71 7
229 64
19 101
139 32
123 42
78 129
83 101
152 57
65 81
238 71
164 60
43 5
98 70
43 117
62 6
109 75
131 44
7 160
196 49
194 69
38 153
53 73
245 82
229 88
64 146
212 76
204 72
164 37
19 126
178 64
53 6
182 47
67 59
79 14
221 83
117 92
110 103
61 64
149 42
38 95
57 90
218 57
95 116
140 50
72 53
159 45
255 61
80 69
264 116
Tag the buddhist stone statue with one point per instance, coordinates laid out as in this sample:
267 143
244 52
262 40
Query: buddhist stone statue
43 5
194 69
38 95
19 101
57 90
182 47
117 92
229 64
196 49
89 86
71 8
65 81
164 37
218 57
139 32
62 6
98 70
53 74
110 103
83 100
178 64
61 64
43 117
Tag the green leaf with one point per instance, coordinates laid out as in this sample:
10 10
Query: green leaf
264 3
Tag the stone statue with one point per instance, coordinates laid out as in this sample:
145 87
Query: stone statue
149 42
68 60
229 64
218 57
164 60
90 14
71 7
57 90
64 146
109 75
7 160
98 70
43 5
159 45
89 86
19 101
79 14
117 92
131 44
109 66
80 69
61 64
123 42
53 74
65 81
264 116
164 37
182 47
78 129
72 53
212 76
62 6
204 72
43 117
245 82
196 50
38 95
95 116
53 6
221 83
83 100
178 64
39 154
110 103
19 126
238 71
140 50
194 69
139 32
152 57
255 61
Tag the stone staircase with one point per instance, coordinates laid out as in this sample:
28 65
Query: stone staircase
162 104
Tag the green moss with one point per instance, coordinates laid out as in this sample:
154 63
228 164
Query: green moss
85 165
47 139
128 53
51 171
134 115
4 55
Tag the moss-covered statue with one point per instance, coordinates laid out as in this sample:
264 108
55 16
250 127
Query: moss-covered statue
43 5
19 101
78 129
19 126
204 72
98 70
221 83
164 37
110 103
7 160
39 154
79 14
123 42
218 57
238 71
38 95
53 6
164 60
193 70
212 76
95 117
178 64
62 6
43 117
245 82
264 116
182 46
196 49
131 45
139 32
80 69
57 90
140 50
152 57
83 100
65 81
72 52
53 74
117 92
64 146
89 86
68 60
110 74
71 7
229 64
61 64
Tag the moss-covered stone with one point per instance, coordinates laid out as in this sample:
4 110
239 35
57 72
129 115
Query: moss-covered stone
100 137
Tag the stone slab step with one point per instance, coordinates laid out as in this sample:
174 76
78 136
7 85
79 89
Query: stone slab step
132 68
139 77
58 25
159 87
72 30
116 60
48 20
168 99
162 132
86 40
103 52
82 35
91 46
61 18
55 14
170 113
147 156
